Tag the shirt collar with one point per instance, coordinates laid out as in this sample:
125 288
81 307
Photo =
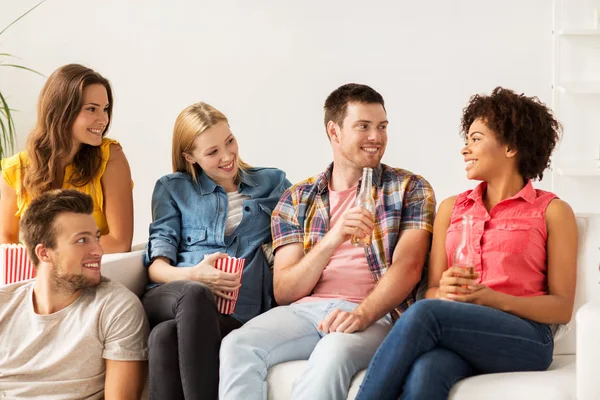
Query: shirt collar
527 193
208 186
322 181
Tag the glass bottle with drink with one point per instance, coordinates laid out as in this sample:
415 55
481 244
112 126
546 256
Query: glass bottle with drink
366 201
464 256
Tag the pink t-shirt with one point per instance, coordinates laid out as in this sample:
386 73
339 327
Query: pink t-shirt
510 240
347 276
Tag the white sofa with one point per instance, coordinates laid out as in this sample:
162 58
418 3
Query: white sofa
560 382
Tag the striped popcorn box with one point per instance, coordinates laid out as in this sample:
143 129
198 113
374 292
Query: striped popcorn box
14 264
230 265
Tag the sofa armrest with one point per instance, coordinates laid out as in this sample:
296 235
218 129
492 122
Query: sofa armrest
588 350
128 269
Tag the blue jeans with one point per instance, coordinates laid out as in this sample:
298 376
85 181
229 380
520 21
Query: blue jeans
289 333
435 343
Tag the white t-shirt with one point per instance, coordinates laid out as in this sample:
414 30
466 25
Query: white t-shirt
62 355
234 211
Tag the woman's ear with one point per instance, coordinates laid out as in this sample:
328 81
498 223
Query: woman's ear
510 152
188 158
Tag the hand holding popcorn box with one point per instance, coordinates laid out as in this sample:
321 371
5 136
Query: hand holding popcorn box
14 264
230 265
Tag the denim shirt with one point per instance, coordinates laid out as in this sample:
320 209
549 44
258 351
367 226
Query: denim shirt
188 222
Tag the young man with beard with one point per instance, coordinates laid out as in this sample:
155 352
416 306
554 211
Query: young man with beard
339 301
69 333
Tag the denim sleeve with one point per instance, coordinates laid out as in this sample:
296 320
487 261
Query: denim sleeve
285 227
418 209
281 187
165 229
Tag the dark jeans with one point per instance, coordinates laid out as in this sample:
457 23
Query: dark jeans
435 343
185 340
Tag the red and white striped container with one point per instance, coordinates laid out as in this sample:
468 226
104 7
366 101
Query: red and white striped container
235 266
14 264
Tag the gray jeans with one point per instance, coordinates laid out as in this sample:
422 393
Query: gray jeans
289 333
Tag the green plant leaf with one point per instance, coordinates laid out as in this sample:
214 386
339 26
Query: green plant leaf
8 128
22 67
27 12
8 133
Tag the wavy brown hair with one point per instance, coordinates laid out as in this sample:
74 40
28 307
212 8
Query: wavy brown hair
190 123
522 123
51 140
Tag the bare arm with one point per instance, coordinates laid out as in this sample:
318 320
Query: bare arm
557 306
118 203
400 278
9 222
554 308
438 262
125 379
295 274
161 271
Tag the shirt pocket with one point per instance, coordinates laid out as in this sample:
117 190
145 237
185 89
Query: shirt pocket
509 238
191 238
261 227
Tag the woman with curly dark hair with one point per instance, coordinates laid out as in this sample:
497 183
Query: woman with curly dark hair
500 314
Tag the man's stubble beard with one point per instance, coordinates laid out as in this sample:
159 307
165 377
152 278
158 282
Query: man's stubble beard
70 283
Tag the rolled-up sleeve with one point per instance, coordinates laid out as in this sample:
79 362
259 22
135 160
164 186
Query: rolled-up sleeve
418 210
165 229
285 227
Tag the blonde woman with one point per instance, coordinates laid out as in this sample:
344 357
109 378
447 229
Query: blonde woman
213 205
68 149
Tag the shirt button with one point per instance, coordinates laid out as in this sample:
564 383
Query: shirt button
246 208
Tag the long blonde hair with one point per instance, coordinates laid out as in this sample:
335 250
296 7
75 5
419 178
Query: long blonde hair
51 140
190 124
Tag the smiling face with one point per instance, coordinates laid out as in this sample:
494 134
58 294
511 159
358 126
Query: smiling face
485 157
75 259
361 140
216 152
93 118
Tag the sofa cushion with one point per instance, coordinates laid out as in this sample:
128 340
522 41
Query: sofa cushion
127 269
556 383
588 275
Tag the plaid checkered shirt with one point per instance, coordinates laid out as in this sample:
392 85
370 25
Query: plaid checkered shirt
403 200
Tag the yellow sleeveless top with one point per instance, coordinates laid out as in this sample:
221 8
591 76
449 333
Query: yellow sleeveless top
12 171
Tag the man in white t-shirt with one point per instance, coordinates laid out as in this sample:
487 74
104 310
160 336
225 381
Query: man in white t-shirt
69 333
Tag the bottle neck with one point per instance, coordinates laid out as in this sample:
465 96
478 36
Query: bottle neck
367 179
465 239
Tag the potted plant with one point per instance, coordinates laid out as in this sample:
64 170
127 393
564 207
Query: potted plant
7 125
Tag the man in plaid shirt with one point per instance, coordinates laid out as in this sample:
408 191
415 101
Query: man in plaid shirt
339 301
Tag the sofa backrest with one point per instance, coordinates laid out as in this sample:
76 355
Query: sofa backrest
588 275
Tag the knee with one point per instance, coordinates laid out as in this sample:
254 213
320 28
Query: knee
333 352
235 344
421 380
163 335
196 291
421 307
434 373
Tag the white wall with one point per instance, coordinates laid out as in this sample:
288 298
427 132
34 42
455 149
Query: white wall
269 65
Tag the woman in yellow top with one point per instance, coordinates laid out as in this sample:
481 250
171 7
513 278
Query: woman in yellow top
67 149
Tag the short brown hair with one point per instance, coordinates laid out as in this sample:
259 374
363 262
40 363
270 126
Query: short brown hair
38 222
523 123
336 104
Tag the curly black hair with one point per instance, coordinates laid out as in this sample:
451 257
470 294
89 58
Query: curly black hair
523 123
